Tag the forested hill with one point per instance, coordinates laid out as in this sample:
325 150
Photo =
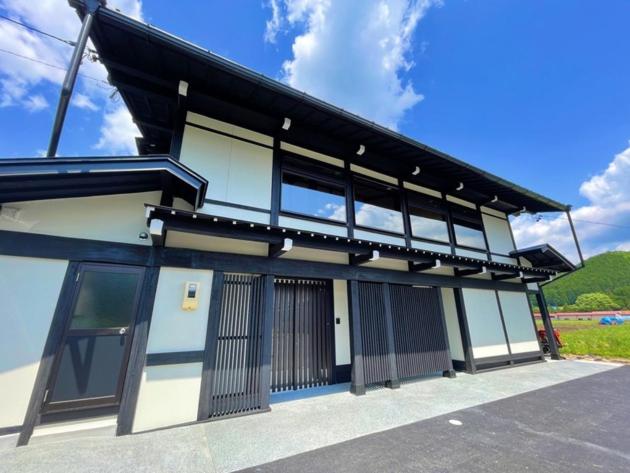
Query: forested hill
608 273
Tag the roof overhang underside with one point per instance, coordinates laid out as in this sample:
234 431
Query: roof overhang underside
360 251
545 256
39 179
147 64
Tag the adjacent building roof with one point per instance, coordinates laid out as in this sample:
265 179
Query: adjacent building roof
37 179
545 256
147 64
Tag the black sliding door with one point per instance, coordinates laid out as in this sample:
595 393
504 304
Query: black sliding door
302 347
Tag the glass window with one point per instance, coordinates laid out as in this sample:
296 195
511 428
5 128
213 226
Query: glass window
469 234
428 224
377 206
313 197
106 300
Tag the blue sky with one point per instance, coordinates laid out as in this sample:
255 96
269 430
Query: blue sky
536 92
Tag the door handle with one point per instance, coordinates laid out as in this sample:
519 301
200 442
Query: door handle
122 331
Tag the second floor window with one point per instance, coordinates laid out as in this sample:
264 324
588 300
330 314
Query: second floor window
312 190
468 227
377 206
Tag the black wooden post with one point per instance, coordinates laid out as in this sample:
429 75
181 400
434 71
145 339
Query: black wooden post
357 385
210 352
464 331
265 370
138 353
393 382
544 313
55 334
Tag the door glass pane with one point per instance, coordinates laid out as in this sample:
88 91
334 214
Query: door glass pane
90 366
106 300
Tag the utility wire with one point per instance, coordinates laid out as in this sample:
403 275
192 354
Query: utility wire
36 30
62 68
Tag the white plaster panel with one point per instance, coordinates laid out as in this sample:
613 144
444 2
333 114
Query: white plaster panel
311 154
237 171
462 202
229 128
378 237
118 218
172 328
484 323
498 234
216 244
518 321
388 263
235 213
342 330
422 189
29 290
169 395
452 324
373 174
494 212
308 225
310 254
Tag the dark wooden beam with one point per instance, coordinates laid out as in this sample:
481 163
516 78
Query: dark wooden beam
419 267
359 259
357 385
544 314
265 368
465 332
470 272
502 277
278 249
393 381
535 279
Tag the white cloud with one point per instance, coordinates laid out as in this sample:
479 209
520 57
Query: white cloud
602 225
34 103
118 132
23 82
353 54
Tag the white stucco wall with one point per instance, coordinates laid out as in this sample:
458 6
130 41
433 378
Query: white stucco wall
117 218
452 324
484 323
498 234
172 328
218 244
169 395
518 322
29 290
239 172
342 330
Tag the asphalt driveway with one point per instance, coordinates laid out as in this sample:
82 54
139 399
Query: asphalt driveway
573 427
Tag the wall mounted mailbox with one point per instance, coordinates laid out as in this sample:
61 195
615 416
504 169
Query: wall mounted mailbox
191 296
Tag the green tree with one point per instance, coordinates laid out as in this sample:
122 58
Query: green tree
594 301
621 296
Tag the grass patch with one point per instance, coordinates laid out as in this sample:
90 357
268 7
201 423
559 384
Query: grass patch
566 326
602 341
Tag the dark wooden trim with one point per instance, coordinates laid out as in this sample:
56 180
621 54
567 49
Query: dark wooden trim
464 331
276 181
357 377
544 314
531 313
265 368
505 332
138 352
343 373
229 135
210 351
174 358
237 206
55 334
14 429
349 198
404 208
177 138
469 272
78 414
45 246
393 381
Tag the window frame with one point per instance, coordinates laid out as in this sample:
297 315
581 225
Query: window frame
297 170
468 216
394 188
419 200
